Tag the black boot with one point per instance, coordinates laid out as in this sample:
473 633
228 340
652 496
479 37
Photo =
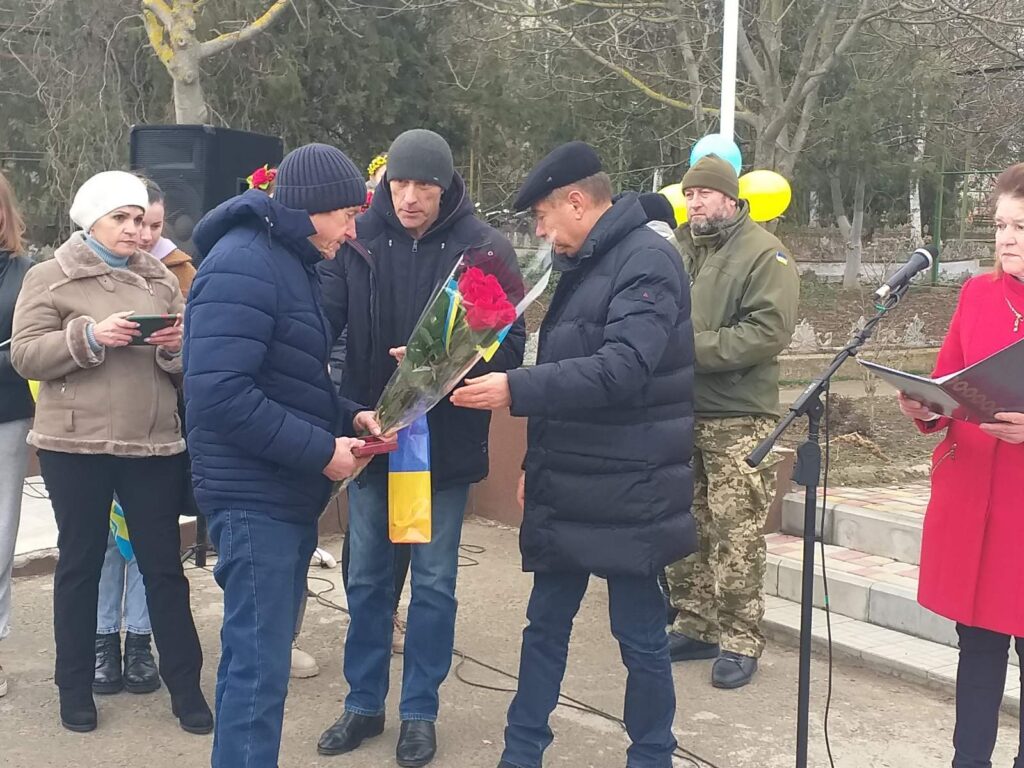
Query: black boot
192 711
77 710
683 648
348 732
733 670
140 674
417 744
107 678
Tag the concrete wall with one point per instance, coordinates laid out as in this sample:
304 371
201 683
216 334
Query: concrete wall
823 252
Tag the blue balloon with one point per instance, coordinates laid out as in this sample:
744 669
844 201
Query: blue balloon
717 144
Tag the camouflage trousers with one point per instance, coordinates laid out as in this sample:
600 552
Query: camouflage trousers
719 590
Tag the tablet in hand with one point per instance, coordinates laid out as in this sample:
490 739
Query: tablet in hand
150 324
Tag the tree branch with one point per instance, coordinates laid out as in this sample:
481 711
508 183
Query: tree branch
636 82
750 61
229 40
162 11
156 33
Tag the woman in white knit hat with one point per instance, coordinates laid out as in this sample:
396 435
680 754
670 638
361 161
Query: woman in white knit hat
106 422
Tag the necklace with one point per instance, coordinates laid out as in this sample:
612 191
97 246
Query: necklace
1018 318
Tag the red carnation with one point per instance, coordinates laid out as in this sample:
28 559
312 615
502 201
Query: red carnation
487 306
262 178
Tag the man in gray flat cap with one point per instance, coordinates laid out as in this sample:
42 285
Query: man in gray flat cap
419 223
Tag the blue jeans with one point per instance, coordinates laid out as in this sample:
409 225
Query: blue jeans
261 566
430 628
121 584
637 610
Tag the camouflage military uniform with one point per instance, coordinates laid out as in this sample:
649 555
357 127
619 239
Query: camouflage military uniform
745 293
718 589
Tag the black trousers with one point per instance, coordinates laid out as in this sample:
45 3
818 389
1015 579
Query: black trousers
403 555
980 681
150 491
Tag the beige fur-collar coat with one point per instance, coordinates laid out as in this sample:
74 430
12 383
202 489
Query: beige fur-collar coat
118 401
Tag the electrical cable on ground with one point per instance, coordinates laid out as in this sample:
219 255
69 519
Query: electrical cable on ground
566 702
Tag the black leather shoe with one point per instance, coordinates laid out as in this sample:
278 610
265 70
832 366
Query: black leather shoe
417 744
77 710
193 712
733 670
140 673
348 732
683 648
107 677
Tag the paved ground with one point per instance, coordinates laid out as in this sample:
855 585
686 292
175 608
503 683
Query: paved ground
875 722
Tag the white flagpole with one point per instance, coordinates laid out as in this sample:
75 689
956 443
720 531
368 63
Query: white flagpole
730 35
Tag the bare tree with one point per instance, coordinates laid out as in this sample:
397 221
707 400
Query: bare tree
669 51
171 28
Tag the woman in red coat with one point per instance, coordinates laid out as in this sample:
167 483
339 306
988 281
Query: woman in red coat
972 552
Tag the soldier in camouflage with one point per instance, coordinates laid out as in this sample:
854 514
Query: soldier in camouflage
745 292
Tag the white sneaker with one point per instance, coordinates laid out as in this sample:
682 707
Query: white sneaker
398 639
3 683
303 665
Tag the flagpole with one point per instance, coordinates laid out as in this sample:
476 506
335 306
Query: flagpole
730 36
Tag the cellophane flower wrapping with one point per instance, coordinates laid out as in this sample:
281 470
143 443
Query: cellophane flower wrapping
465 321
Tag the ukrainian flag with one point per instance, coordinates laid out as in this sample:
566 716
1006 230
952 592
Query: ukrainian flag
119 528
409 494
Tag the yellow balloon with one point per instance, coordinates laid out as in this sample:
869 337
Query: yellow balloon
34 389
674 193
767 192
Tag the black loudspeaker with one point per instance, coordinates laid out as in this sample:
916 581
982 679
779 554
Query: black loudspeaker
198 167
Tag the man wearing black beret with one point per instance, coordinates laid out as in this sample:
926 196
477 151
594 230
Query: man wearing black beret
607 483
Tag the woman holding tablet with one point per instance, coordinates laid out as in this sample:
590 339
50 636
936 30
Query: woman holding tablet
107 422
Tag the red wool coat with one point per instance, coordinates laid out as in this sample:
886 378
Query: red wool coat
972 551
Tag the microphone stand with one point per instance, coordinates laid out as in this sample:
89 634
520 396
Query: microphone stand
808 473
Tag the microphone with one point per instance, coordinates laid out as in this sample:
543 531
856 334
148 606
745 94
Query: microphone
919 260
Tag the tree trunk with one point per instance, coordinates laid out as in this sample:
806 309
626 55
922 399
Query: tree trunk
851 275
814 204
659 175
190 103
189 100
838 209
916 226
914 201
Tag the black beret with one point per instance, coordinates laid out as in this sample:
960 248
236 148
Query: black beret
564 165
658 208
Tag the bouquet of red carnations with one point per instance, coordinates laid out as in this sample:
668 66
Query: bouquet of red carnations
468 317
465 321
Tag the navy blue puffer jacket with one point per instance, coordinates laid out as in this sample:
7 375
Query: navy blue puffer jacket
609 479
261 412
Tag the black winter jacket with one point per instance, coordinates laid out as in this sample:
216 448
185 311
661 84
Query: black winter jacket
377 288
609 481
15 398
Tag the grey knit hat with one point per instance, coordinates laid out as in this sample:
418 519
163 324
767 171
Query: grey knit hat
316 178
421 155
